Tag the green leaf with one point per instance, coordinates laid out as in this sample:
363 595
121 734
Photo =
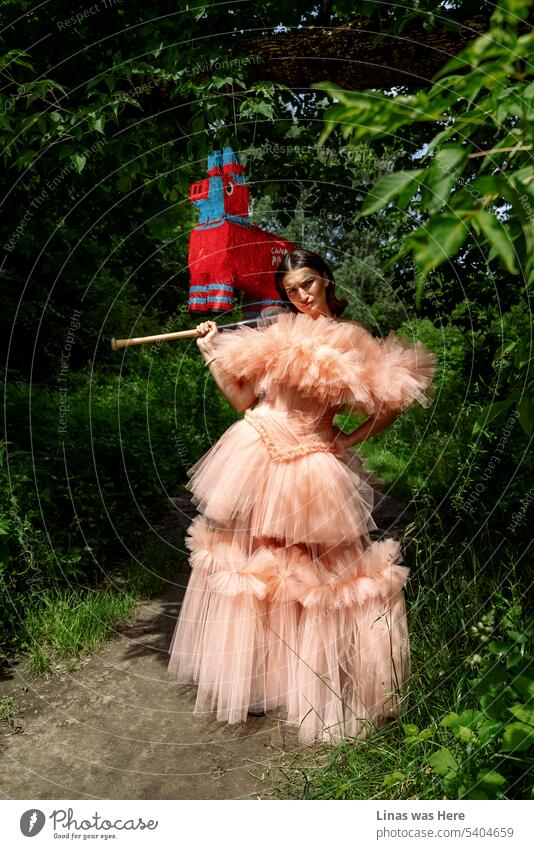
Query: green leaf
498 237
517 737
524 685
513 658
442 136
501 352
523 176
441 176
488 730
525 410
425 734
410 730
433 243
490 779
393 778
522 213
219 82
252 107
79 161
443 762
123 183
493 411
467 719
465 734
517 636
387 188
499 647
449 719
485 185
446 235
494 676
474 793
524 713
457 62
494 704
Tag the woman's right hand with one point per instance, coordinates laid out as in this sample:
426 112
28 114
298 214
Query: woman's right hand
206 332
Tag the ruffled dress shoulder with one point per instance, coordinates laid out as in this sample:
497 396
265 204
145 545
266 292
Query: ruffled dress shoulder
339 363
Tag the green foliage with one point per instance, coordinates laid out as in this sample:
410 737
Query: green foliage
476 190
27 564
72 499
430 457
376 296
488 743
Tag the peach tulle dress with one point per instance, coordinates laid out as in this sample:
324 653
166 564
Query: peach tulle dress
290 605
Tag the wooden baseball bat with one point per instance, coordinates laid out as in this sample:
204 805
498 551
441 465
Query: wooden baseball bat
191 334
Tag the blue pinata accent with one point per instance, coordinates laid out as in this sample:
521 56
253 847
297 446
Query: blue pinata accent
211 211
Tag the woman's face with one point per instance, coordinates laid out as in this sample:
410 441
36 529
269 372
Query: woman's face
306 289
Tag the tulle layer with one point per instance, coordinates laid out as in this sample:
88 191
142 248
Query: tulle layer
313 497
336 362
319 633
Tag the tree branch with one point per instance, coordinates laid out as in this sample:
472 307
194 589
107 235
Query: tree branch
355 55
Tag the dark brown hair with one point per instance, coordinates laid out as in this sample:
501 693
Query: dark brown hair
298 259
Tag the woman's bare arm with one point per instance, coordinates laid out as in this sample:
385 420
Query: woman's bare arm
238 393
374 424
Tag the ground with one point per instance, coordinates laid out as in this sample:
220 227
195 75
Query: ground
119 727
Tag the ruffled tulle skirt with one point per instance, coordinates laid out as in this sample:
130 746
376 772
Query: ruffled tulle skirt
289 605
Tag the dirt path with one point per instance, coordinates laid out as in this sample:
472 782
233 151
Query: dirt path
120 728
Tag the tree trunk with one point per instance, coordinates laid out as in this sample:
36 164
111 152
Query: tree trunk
355 55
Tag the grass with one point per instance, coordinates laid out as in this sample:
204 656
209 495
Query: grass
74 624
392 469
68 625
8 708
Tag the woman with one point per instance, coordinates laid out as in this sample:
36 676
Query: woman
289 604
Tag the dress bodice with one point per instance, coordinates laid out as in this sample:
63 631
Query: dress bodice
291 424
290 399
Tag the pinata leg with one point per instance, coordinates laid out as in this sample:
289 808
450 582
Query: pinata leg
220 296
197 298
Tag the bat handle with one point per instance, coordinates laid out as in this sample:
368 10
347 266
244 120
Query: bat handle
145 340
